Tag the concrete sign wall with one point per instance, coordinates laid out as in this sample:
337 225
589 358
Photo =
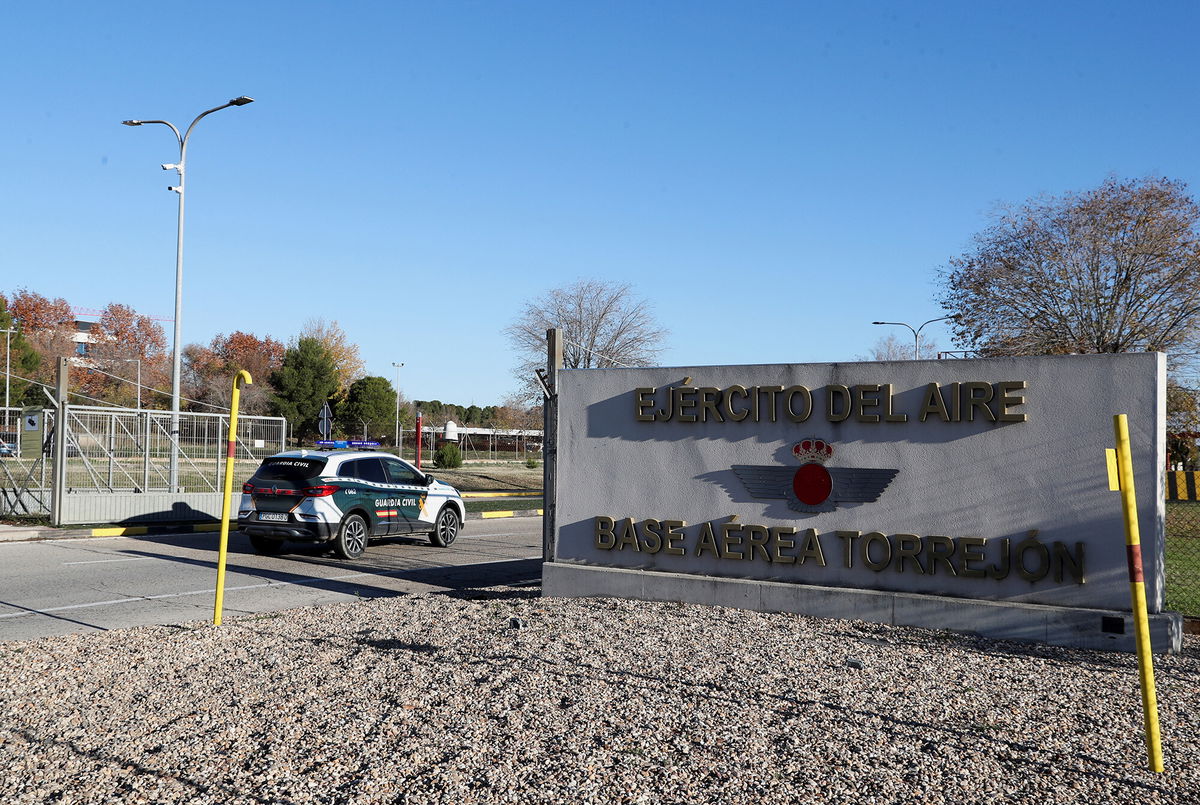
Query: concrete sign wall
968 479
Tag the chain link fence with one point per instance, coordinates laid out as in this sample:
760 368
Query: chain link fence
1183 543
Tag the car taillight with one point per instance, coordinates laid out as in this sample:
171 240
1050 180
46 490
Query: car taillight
248 488
320 491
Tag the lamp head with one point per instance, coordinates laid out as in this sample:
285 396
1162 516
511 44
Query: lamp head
131 122
241 100
879 322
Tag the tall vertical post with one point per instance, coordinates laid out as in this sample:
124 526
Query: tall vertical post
1137 587
396 442
242 377
59 477
176 346
145 426
181 169
7 348
554 361
419 439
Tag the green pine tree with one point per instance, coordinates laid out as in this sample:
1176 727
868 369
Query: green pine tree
307 379
23 361
370 404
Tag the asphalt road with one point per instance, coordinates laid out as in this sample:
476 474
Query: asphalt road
83 585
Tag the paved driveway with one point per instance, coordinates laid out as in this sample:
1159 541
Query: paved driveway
81 585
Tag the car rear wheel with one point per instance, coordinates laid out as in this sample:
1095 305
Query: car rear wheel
263 544
351 538
446 528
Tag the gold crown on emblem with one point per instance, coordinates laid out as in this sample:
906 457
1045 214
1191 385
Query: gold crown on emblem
812 450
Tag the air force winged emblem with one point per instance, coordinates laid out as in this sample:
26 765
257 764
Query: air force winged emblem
814 487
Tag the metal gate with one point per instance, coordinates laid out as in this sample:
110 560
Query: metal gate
116 465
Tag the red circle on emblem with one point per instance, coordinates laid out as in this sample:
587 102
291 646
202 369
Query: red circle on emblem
812 484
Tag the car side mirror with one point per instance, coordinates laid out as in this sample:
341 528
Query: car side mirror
429 479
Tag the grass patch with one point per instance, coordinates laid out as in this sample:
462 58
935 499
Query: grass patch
487 477
1183 557
1183 575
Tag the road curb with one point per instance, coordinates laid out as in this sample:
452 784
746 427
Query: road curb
44 533
500 514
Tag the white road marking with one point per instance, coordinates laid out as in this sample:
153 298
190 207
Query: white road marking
212 590
66 542
102 561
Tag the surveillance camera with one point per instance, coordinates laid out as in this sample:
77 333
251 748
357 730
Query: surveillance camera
174 189
169 166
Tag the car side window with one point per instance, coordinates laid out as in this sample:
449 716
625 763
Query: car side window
371 469
400 474
348 470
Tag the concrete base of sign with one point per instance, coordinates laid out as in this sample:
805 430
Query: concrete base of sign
1058 626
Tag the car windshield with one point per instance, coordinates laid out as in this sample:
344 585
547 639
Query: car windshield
289 469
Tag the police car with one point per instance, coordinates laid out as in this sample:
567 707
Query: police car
345 497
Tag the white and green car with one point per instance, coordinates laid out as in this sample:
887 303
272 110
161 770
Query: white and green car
345 498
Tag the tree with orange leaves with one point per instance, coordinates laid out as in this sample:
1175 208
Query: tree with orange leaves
208 369
349 363
47 326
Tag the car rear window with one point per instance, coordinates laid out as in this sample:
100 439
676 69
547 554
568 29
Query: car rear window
290 469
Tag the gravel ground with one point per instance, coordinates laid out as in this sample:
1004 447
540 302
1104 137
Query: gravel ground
497 696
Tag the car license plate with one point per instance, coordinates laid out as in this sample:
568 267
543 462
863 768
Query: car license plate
282 518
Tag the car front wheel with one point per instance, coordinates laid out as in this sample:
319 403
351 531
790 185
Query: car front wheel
445 529
351 538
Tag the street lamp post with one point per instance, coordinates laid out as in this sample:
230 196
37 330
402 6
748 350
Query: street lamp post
7 347
181 168
917 332
399 447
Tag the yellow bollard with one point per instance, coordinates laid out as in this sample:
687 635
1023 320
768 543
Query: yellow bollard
1133 547
229 452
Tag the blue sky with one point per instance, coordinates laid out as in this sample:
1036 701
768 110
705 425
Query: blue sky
772 176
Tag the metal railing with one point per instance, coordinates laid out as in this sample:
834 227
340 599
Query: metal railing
122 450
118 449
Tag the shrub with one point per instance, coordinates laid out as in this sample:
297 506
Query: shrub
448 456
531 463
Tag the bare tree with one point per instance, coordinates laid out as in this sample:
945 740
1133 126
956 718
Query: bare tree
891 348
1114 269
603 323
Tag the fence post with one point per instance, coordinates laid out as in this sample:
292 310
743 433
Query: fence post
145 415
229 457
60 442
112 418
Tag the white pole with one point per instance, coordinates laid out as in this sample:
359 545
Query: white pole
7 349
180 168
399 446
